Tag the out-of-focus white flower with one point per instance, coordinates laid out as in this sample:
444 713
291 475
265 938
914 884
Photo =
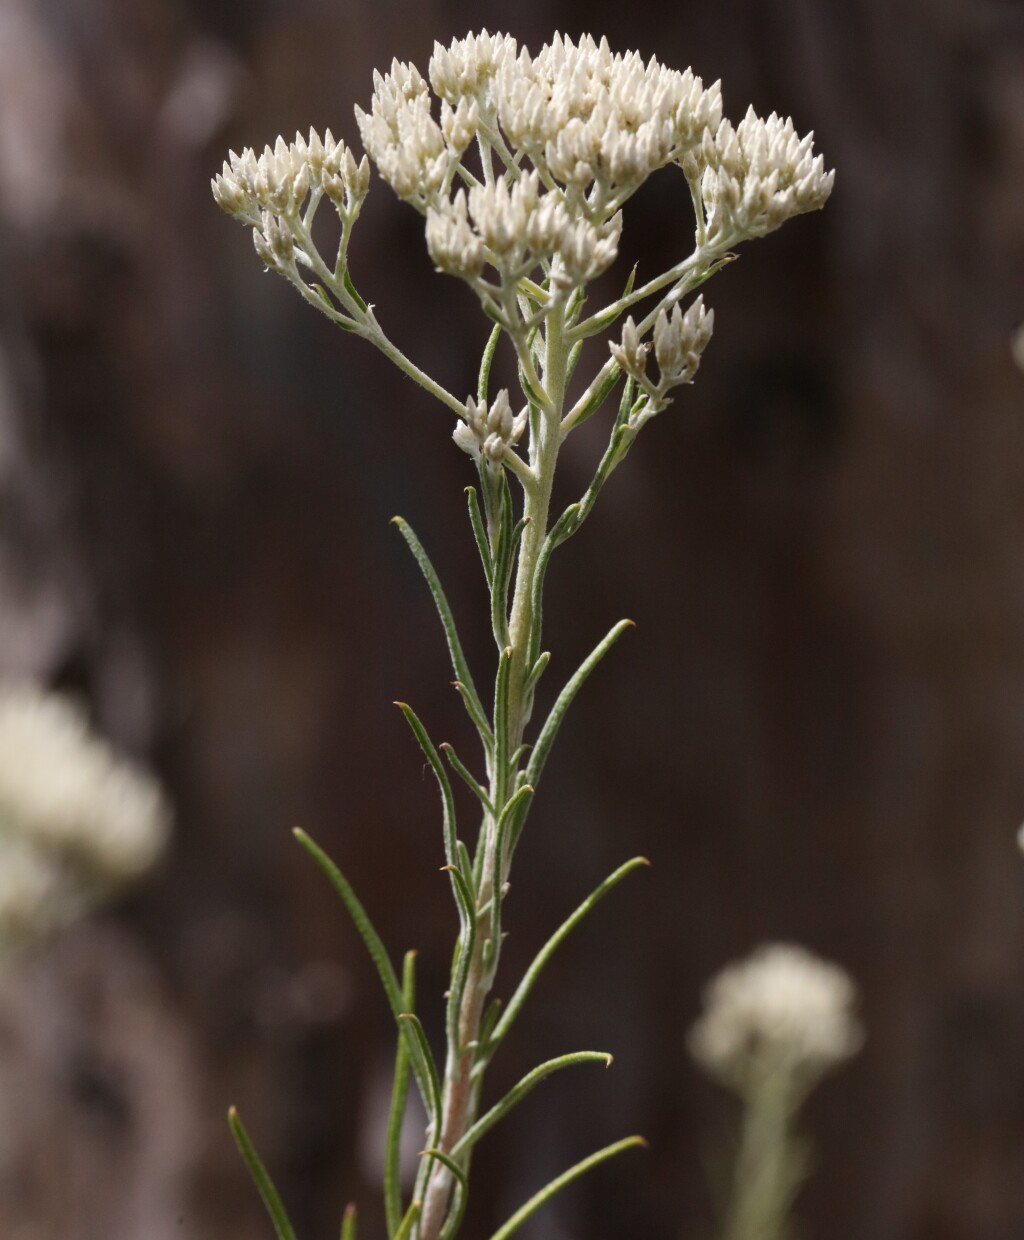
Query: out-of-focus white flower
1017 346
76 819
783 1010
760 174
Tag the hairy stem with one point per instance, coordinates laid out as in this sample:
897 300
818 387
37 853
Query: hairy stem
461 1087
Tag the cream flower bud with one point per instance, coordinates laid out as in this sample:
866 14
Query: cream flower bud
680 339
631 352
451 242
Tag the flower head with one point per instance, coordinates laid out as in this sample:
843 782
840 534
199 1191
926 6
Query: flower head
760 174
783 1010
490 432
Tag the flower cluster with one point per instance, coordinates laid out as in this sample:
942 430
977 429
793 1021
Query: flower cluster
679 339
593 125
76 819
490 432
759 175
268 191
516 227
782 1011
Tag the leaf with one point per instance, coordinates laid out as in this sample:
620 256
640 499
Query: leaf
458 1207
546 739
441 775
479 533
595 396
350 288
419 1051
567 1177
396 1112
485 364
467 776
501 1028
518 1092
412 1215
264 1184
509 825
374 945
459 664
463 953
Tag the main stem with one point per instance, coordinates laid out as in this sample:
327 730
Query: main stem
461 1088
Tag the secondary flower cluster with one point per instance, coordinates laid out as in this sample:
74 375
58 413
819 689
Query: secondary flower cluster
76 819
269 191
679 339
782 1011
490 432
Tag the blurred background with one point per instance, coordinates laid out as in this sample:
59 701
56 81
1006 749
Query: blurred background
816 732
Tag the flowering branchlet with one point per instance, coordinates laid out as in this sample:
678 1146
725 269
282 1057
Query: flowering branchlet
520 166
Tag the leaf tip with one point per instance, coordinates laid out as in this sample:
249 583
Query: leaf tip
609 1060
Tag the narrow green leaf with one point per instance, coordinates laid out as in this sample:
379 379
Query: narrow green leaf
567 1177
487 1025
350 288
529 391
348 1222
479 533
531 975
537 670
596 395
542 746
264 1184
441 775
573 359
459 664
409 1222
374 945
458 1207
510 823
466 776
485 364
501 721
396 1112
509 538
559 532
419 1050
518 1092
463 951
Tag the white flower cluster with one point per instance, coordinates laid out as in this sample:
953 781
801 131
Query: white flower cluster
514 228
490 432
593 125
76 819
759 175
783 1010
679 340
268 191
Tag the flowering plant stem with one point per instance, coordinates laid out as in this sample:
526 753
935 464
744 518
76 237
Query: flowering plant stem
558 142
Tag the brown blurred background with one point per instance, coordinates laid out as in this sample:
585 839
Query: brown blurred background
816 732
